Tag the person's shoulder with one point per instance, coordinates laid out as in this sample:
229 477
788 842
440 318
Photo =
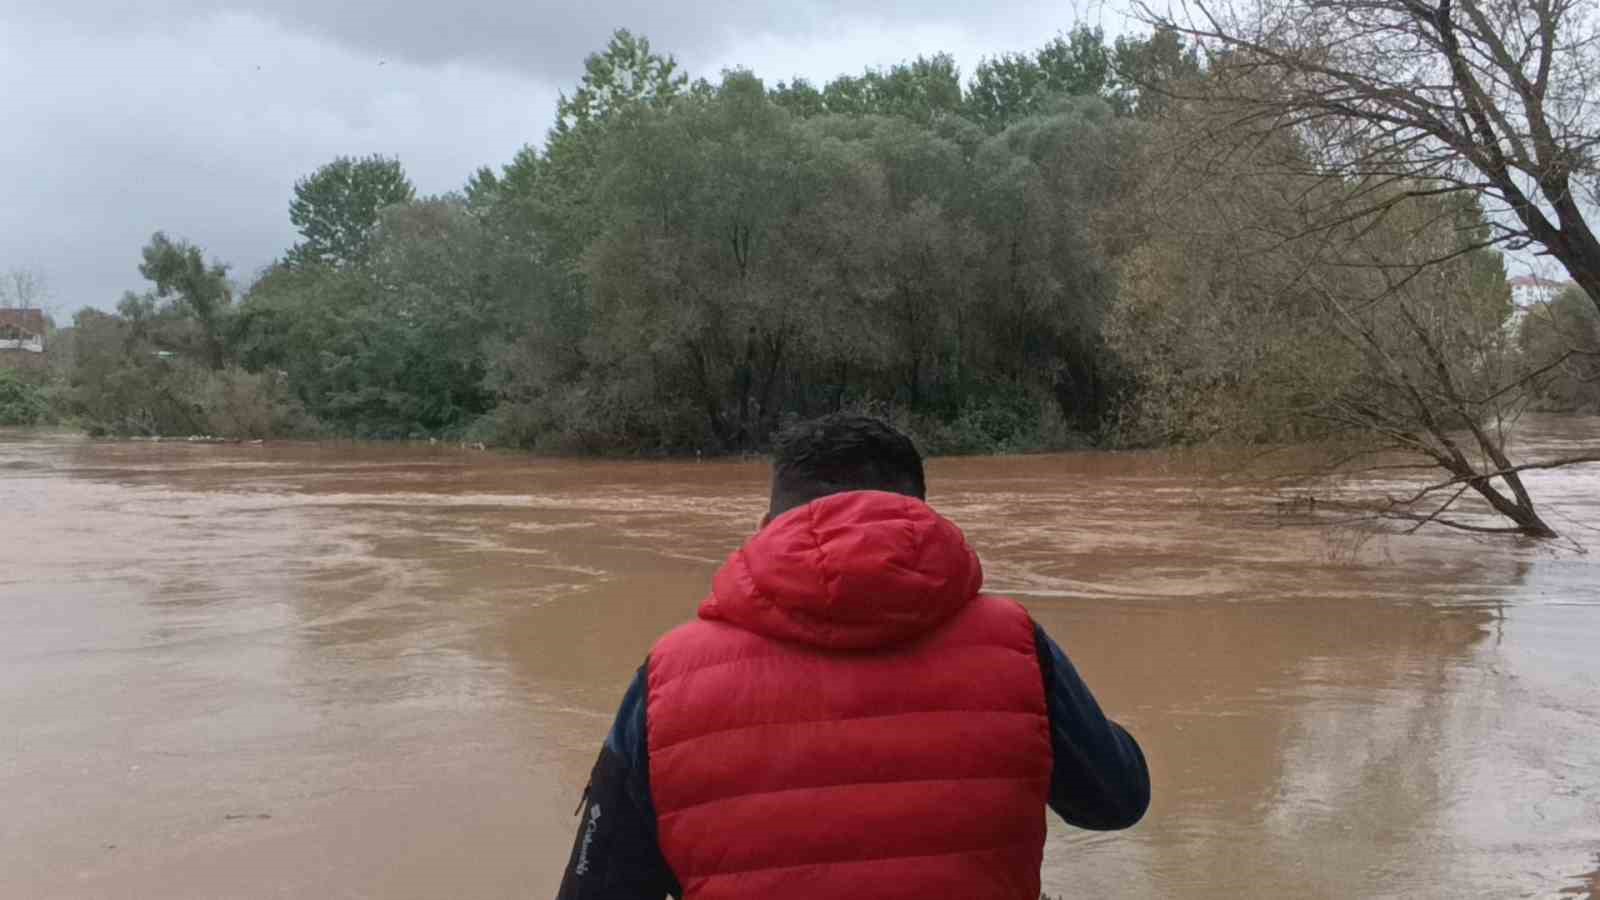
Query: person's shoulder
999 606
1002 601
990 619
692 632
695 644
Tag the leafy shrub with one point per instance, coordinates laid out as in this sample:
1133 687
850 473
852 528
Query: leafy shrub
22 401
233 403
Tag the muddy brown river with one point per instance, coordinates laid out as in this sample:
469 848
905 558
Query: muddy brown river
342 671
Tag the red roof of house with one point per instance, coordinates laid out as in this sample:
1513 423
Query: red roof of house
29 320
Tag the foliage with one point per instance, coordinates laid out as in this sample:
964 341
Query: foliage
162 364
336 209
1147 71
684 266
1493 99
1072 250
1249 314
195 293
626 75
1369 115
1013 86
748 264
922 90
123 385
1560 342
233 403
23 400
399 348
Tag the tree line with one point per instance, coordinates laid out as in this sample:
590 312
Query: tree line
683 265
1095 243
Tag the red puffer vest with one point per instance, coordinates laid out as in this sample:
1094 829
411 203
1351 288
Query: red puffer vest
849 718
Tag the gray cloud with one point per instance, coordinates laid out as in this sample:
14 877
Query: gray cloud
546 39
197 117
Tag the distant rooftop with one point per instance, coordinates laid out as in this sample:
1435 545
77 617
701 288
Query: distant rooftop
29 320
22 332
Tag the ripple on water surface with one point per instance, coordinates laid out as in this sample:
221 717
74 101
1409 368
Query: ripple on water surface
404 658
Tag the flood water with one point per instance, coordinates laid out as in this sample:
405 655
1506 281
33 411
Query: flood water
384 671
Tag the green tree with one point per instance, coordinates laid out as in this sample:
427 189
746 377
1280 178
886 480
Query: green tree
399 348
737 255
1013 86
907 258
922 90
337 207
800 97
686 279
1049 205
194 291
1077 64
165 363
545 199
117 384
1560 342
22 400
559 185
542 211
314 325
1146 70
626 75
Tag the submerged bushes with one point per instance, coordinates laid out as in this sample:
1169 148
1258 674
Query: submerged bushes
23 400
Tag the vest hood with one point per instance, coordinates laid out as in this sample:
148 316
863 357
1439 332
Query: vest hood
850 571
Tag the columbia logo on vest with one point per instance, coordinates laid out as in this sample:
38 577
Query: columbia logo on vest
582 868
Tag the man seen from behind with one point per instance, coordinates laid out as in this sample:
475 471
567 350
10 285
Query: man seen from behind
849 716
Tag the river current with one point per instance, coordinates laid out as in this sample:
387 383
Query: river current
344 670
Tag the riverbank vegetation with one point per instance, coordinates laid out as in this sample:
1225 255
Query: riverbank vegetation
684 266
1154 240
23 400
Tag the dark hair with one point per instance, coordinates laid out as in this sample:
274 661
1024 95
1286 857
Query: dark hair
840 453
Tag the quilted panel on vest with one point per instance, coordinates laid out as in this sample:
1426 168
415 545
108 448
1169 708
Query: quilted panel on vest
778 770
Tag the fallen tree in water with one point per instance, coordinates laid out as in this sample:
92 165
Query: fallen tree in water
1380 152
1268 306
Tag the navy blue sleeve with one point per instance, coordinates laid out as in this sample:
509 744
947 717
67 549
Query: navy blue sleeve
617 855
1100 780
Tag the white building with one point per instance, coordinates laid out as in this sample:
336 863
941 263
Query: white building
22 333
26 343
1528 291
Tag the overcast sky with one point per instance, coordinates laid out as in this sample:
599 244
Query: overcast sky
196 116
